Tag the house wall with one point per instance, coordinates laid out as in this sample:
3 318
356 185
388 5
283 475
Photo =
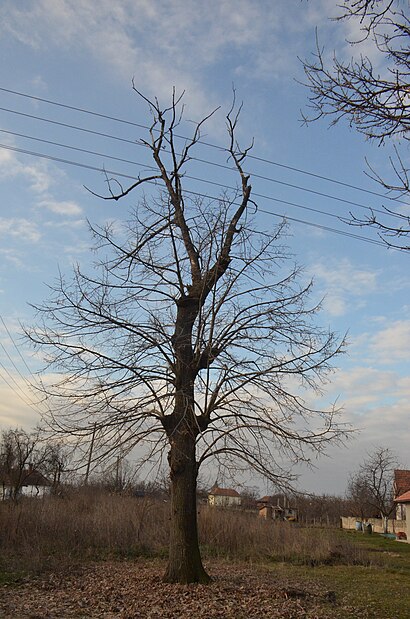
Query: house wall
406 522
224 501
393 526
401 511
266 512
5 492
25 491
35 491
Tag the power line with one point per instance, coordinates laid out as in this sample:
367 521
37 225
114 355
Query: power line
327 229
209 144
134 178
15 345
133 162
27 402
219 165
25 380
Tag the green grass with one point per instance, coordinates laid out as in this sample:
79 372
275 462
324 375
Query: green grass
380 591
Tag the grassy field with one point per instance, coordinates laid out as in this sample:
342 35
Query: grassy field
356 574
380 590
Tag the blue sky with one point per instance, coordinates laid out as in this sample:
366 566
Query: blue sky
85 55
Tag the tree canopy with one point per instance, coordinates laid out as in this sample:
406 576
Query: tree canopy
371 92
193 331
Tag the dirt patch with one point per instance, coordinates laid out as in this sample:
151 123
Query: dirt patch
134 590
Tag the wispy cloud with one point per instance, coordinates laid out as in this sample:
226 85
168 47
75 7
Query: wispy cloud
22 229
11 256
66 208
391 344
17 405
165 44
36 174
342 282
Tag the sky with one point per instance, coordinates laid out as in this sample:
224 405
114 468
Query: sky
85 55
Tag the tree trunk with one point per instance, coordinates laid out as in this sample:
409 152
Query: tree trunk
385 524
184 563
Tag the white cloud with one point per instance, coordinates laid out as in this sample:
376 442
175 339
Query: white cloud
11 256
22 229
37 174
66 208
361 386
165 44
17 404
75 250
341 282
391 344
375 401
65 223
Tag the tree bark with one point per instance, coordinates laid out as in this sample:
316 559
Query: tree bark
184 563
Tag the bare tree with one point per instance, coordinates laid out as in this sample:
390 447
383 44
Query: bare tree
21 452
374 100
371 486
323 510
189 334
56 461
360 497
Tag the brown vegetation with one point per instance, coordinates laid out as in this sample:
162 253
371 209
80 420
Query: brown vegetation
91 524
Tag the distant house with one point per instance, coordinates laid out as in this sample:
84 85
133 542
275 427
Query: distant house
401 486
277 507
224 497
29 483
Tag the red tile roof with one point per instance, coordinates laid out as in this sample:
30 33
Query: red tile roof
403 498
224 492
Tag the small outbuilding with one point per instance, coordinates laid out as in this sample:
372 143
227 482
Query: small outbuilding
277 507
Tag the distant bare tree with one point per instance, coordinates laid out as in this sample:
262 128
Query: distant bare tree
376 101
20 453
323 510
189 334
361 498
371 486
56 461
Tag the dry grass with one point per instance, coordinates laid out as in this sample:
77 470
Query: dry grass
91 524
236 534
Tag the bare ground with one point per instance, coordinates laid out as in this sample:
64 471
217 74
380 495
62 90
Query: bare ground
134 590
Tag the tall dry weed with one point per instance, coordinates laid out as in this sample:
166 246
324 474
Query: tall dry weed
91 524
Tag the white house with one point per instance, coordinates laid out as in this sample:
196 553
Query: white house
404 500
224 497
30 483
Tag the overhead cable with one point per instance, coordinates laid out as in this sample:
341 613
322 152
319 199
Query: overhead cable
135 178
148 167
209 144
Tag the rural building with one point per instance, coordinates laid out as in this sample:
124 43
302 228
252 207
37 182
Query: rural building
399 523
29 481
404 501
401 487
277 507
224 497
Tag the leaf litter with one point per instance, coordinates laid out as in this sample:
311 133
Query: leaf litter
134 590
